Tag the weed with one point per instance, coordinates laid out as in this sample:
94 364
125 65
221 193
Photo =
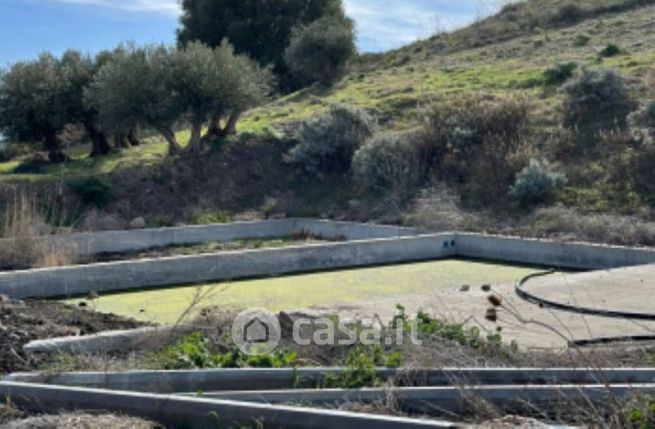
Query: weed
559 73
611 50
581 40
361 368
193 351
93 191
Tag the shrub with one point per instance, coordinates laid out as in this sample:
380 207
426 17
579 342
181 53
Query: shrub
388 162
644 118
320 51
537 183
476 144
559 73
93 191
596 101
581 40
328 142
568 13
611 50
642 171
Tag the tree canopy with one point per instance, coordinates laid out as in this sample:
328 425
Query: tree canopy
160 86
32 95
260 29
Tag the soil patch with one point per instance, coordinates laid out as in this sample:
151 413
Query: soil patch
25 321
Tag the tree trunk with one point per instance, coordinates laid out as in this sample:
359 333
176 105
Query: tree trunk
230 128
196 141
55 155
214 129
174 147
100 145
132 137
120 141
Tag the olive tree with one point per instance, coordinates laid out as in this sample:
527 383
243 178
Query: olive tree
159 87
79 72
31 98
243 84
135 86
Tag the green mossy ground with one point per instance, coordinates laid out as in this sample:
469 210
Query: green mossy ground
423 279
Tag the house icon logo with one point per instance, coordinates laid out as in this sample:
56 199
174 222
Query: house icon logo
256 332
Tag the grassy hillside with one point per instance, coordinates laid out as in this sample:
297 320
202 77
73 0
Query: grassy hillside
395 84
504 55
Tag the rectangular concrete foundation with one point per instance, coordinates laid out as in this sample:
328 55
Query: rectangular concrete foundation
374 245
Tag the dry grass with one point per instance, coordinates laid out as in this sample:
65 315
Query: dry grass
23 223
650 83
81 421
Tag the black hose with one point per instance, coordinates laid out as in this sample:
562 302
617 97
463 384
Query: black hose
612 340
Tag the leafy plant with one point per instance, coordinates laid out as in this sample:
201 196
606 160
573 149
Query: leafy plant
93 191
537 183
611 50
193 352
361 368
581 40
388 162
559 73
328 142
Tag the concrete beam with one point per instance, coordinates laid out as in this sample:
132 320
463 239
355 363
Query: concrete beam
177 411
451 400
108 341
549 253
287 378
94 243
176 270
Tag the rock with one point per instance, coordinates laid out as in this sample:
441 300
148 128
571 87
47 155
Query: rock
138 223
465 288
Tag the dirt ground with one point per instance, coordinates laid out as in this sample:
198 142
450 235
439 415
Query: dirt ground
25 321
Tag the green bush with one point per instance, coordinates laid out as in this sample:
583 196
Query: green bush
596 101
537 183
93 191
476 145
328 142
581 40
320 51
388 162
559 73
611 50
361 368
644 118
193 352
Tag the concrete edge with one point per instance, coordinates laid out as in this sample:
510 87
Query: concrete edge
451 399
178 411
127 241
287 378
224 266
107 341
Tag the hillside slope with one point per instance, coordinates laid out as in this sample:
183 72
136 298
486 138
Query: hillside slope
395 84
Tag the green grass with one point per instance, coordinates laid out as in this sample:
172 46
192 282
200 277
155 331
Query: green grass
397 84
422 280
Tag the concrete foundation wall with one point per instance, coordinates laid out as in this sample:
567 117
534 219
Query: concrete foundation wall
126 275
376 245
195 413
93 243
582 256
